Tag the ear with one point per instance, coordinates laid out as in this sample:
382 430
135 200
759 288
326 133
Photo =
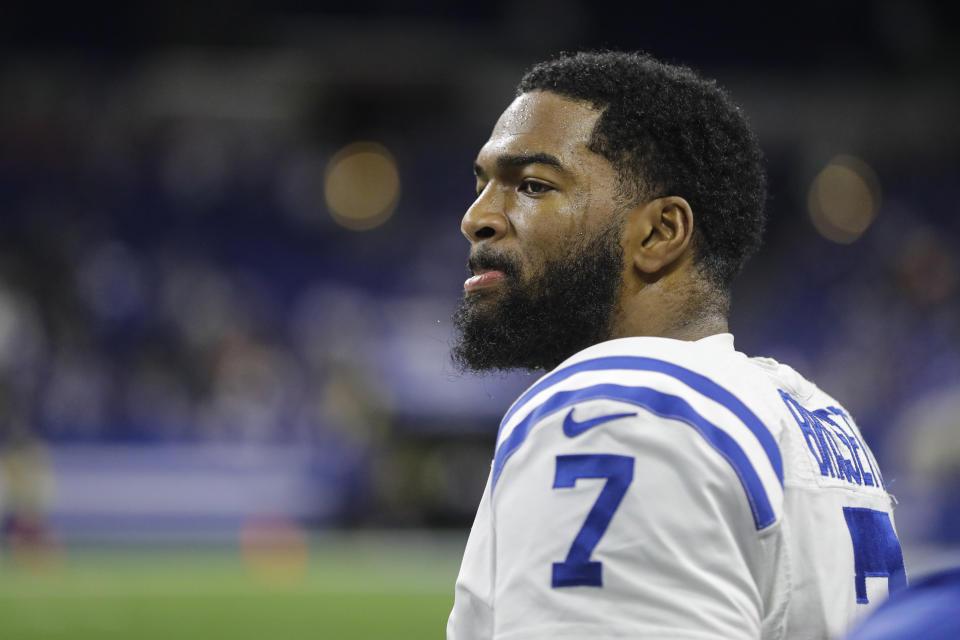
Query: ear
658 233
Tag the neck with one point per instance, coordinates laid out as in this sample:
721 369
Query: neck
672 307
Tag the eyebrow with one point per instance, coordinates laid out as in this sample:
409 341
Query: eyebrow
511 161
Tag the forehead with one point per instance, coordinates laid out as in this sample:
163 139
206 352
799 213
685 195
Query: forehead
541 121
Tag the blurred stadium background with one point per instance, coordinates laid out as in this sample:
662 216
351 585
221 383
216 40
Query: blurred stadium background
230 248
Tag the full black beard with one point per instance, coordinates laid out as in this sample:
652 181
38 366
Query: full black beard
567 307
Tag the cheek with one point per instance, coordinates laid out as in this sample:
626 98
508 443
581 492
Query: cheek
547 229
533 263
549 248
552 220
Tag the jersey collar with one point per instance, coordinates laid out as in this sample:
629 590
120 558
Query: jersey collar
718 341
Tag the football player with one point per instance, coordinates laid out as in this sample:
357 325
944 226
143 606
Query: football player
656 482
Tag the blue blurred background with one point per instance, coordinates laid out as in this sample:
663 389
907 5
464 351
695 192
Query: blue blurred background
230 249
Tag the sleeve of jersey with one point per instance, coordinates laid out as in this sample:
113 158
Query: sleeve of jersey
642 516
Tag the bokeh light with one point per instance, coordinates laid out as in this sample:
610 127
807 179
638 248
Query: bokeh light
927 268
844 199
362 186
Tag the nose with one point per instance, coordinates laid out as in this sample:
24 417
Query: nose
485 220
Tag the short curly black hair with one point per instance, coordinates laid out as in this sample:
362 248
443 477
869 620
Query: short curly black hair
669 131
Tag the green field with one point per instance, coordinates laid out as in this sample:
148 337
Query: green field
365 587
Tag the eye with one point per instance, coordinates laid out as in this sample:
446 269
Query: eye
534 188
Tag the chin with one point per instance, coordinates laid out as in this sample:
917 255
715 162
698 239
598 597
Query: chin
487 299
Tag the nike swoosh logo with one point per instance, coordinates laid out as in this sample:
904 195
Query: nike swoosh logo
573 427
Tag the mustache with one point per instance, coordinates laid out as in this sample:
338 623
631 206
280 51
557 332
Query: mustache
489 260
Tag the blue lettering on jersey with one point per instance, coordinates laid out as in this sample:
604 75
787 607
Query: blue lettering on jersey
872 477
834 445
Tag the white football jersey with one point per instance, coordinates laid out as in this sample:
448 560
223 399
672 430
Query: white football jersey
657 488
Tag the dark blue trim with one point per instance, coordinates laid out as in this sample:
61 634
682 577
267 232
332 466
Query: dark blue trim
694 380
660 404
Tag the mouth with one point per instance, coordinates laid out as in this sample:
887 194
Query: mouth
483 279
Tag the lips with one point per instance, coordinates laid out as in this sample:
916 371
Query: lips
484 280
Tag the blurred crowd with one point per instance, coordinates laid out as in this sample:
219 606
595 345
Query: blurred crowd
176 279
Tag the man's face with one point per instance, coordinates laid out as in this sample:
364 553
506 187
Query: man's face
545 235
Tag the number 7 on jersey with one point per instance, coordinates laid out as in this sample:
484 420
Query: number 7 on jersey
578 569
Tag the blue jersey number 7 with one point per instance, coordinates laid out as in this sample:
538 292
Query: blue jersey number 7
578 569
876 550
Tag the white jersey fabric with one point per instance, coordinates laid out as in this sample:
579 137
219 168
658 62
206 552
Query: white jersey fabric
658 488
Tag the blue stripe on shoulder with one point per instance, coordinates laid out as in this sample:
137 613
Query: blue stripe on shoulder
663 405
695 381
